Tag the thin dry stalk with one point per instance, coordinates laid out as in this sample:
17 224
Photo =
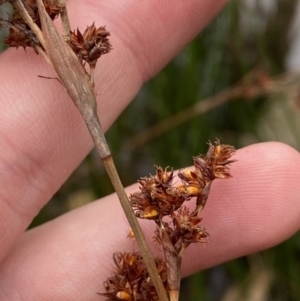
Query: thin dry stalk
174 295
64 18
173 261
44 55
76 81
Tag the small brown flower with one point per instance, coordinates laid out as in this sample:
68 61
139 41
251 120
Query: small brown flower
163 177
193 182
53 8
182 231
214 164
157 196
117 288
131 280
186 229
20 35
142 204
90 45
196 183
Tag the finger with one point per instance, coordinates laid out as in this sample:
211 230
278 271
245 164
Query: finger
71 256
43 138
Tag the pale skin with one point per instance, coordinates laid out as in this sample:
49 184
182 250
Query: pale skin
43 139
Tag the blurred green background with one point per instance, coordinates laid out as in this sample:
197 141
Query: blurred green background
245 57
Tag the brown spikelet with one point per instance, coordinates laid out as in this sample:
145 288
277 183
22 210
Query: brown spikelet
20 35
214 165
90 45
157 196
131 280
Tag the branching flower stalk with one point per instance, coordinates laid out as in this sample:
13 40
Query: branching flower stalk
32 26
138 277
177 226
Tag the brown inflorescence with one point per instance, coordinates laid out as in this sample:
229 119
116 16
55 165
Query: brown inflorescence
90 45
157 196
183 230
131 281
20 34
186 229
214 165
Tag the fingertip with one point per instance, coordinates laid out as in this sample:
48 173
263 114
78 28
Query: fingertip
254 210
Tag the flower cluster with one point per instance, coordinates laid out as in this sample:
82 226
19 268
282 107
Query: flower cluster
157 196
184 231
214 165
20 33
131 281
90 45
159 199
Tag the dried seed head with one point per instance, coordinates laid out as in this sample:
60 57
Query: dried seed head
157 196
187 228
163 177
20 35
194 182
183 230
53 8
90 45
214 165
131 280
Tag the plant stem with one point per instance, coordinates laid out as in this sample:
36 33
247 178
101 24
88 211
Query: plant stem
96 132
173 262
78 84
174 295
42 53
65 18
143 246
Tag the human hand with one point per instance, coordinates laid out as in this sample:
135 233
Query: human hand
43 139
